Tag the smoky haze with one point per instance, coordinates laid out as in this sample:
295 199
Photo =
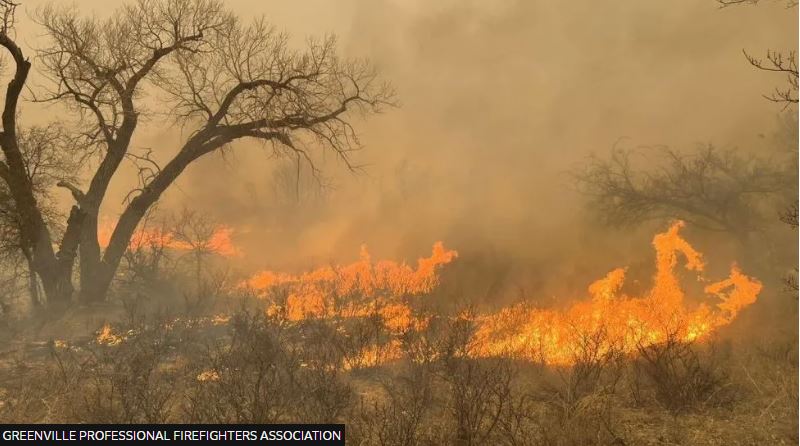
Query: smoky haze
497 101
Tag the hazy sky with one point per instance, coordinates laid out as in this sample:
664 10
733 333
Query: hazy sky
498 100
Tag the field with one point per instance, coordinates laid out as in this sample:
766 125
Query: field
367 345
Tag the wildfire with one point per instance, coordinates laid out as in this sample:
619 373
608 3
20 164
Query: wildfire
219 242
106 336
359 289
612 320
608 321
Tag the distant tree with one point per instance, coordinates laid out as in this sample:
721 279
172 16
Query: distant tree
195 231
719 190
220 79
294 184
782 63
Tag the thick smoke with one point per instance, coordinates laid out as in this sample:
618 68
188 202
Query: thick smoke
498 100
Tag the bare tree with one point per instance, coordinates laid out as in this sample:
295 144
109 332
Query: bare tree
196 232
779 63
718 190
775 61
34 232
46 164
222 80
726 3
785 64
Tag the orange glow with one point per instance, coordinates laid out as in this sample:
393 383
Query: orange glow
613 320
219 243
359 289
607 321
106 336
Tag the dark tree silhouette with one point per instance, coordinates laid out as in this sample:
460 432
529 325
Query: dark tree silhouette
47 164
714 189
779 63
775 61
222 80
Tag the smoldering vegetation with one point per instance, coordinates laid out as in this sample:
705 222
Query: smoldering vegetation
545 146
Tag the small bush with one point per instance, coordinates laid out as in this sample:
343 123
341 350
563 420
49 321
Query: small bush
680 376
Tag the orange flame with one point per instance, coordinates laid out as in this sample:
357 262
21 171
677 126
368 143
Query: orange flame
359 289
611 320
608 321
219 243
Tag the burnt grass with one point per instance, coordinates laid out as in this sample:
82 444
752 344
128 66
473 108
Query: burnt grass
165 366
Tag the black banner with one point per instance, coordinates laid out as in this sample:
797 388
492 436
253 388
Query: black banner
316 434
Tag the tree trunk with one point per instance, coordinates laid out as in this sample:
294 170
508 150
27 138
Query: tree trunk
56 280
58 290
33 283
92 274
33 289
95 284
99 278
97 272
55 273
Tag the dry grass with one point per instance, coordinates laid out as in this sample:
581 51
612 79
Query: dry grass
260 369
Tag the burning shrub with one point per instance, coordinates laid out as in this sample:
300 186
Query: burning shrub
364 290
365 342
595 372
353 290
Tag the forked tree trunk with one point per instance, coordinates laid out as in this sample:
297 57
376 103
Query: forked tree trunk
97 272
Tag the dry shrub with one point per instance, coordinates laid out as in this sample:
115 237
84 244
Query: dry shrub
518 424
478 392
770 374
424 347
678 375
445 397
32 392
574 405
262 375
322 395
356 336
591 422
128 382
596 370
400 416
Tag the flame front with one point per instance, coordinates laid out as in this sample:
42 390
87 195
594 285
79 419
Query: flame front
356 290
611 320
608 321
